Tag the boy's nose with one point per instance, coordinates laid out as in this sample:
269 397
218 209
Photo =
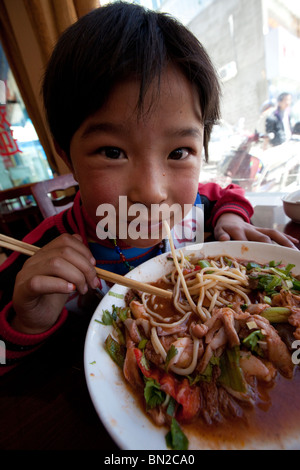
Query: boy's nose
148 185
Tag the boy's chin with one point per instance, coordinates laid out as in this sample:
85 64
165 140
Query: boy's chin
143 243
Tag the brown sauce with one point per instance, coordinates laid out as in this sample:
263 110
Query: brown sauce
271 421
164 307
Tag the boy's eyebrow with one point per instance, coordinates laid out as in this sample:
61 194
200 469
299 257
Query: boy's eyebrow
98 127
187 132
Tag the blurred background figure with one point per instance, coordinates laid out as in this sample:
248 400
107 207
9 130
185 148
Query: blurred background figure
266 109
278 124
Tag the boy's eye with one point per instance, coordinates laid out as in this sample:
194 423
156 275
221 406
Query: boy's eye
113 153
179 154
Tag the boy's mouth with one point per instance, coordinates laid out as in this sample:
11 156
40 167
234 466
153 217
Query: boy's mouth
145 229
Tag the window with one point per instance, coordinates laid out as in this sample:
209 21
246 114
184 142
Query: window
22 158
255 47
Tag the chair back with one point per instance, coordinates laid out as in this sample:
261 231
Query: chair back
19 213
55 195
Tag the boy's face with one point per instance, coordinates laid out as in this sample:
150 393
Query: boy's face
153 159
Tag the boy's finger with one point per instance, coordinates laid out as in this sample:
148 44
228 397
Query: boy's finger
72 241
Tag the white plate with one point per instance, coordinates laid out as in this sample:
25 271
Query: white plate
112 399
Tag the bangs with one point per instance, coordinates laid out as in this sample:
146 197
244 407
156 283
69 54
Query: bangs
114 43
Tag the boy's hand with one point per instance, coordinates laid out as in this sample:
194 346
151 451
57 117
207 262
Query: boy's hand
233 227
47 278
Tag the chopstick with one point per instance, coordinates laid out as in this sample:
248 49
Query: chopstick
30 250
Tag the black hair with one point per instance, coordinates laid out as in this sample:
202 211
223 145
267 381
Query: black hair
282 96
113 43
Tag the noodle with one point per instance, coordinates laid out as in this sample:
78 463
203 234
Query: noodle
172 325
188 370
180 273
207 284
158 347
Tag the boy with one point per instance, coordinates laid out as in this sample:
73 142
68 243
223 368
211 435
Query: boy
131 98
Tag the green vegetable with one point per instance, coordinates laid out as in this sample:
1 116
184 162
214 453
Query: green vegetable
115 294
206 376
281 278
296 284
231 373
108 318
116 351
252 265
203 263
144 363
117 315
228 261
276 314
252 342
142 343
121 312
171 406
154 396
273 264
170 354
176 439
283 272
268 283
267 300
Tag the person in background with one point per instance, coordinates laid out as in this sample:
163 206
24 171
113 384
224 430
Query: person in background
278 124
266 109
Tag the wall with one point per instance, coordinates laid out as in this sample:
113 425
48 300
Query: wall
244 93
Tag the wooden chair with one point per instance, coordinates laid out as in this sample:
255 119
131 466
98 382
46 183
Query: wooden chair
56 194
19 213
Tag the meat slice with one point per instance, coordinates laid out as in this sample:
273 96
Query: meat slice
229 325
256 309
254 366
226 317
152 356
158 415
277 350
217 403
138 310
210 400
133 330
294 320
131 369
227 405
198 329
286 299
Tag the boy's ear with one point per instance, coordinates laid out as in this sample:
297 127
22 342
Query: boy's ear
64 156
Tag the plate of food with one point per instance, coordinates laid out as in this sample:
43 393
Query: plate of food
215 367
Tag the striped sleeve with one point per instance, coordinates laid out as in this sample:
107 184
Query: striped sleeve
15 346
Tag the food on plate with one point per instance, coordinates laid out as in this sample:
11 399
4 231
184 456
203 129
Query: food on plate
207 354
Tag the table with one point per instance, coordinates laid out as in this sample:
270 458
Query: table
268 212
45 404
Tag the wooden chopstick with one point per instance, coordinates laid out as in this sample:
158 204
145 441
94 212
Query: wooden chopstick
29 250
17 245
